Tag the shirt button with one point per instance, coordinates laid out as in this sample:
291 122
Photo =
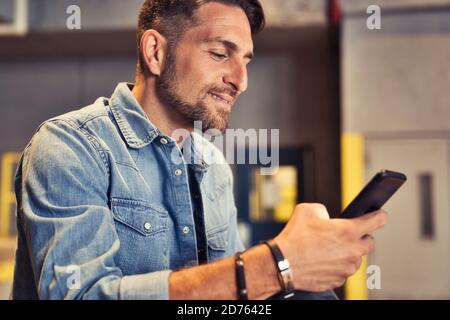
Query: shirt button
147 226
186 230
178 172
163 141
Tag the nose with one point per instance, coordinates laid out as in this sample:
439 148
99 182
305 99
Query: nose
237 76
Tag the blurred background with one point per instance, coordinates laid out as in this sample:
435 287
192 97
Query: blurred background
353 89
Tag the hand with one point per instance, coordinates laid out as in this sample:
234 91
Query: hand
323 252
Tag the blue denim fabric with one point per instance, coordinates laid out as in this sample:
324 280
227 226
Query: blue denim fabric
97 189
101 213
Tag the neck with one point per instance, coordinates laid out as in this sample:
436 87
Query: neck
165 118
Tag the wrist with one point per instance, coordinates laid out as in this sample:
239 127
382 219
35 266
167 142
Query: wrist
284 271
261 273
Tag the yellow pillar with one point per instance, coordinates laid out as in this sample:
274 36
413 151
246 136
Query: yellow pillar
7 197
352 173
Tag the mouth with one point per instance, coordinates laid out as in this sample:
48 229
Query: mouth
223 99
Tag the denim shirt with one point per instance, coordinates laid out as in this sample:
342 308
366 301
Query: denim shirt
103 211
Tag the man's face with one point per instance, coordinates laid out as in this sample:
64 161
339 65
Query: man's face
207 70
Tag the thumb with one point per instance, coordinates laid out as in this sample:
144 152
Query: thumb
315 210
322 212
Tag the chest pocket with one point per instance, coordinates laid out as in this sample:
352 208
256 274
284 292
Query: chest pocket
217 242
144 218
142 229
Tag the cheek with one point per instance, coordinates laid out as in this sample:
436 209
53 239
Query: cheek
195 77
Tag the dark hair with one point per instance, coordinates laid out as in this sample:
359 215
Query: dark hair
172 17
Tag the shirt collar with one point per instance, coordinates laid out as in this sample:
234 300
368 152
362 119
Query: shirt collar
136 128
138 131
200 147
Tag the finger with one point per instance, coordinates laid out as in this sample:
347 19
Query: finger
367 244
358 264
320 211
313 210
370 222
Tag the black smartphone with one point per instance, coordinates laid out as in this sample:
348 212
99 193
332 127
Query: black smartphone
375 194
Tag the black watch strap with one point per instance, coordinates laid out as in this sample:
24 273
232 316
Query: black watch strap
284 271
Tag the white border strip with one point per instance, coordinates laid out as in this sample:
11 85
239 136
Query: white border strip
20 25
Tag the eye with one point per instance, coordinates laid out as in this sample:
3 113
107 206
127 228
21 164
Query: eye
218 56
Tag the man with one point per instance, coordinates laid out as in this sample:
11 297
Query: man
104 211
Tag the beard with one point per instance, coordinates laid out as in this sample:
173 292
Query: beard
166 90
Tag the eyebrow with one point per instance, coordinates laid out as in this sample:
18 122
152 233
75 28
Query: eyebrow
230 45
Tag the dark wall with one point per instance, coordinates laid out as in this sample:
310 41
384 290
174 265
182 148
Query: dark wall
292 87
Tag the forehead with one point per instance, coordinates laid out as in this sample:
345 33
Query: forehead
217 20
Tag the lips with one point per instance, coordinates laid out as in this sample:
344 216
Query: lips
225 98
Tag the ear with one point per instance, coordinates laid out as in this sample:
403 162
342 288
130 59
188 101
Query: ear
153 51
